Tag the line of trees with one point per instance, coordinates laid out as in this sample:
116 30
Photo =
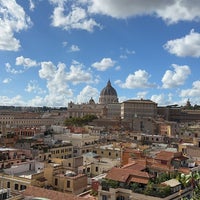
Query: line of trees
79 121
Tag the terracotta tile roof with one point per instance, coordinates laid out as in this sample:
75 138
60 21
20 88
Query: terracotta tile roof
139 180
33 191
118 174
162 167
134 166
123 175
165 155
184 170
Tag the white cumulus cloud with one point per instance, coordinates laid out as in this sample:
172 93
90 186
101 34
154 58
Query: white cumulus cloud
170 11
87 93
10 101
76 17
58 90
177 77
74 48
38 101
77 75
26 62
162 99
13 20
192 92
7 80
34 87
12 70
139 79
31 5
104 64
125 53
80 14
59 78
142 95
188 45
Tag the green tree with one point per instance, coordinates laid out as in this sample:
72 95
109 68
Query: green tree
162 177
79 121
149 189
184 179
134 186
107 183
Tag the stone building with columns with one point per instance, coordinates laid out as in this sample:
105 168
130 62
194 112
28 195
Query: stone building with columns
108 96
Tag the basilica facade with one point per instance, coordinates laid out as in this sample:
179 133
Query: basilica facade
108 108
108 96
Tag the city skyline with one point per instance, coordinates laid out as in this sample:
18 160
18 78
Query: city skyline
56 51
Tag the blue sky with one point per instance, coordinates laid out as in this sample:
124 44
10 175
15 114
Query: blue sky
56 51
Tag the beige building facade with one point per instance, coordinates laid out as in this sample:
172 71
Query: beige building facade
138 109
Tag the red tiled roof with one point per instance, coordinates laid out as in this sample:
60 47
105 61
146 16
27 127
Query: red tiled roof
168 156
184 170
33 191
165 155
118 174
139 180
122 175
162 167
134 166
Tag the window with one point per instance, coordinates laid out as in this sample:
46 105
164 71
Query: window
97 169
22 187
164 162
120 198
8 184
68 184
16 186
109 154
56 181
104 197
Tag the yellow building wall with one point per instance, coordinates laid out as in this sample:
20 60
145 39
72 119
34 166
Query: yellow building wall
13 182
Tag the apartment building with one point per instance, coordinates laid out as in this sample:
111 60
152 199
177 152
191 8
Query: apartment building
94 164
11 156
82 142
112 151
62 179
20 175
47 175
60 150
166 128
